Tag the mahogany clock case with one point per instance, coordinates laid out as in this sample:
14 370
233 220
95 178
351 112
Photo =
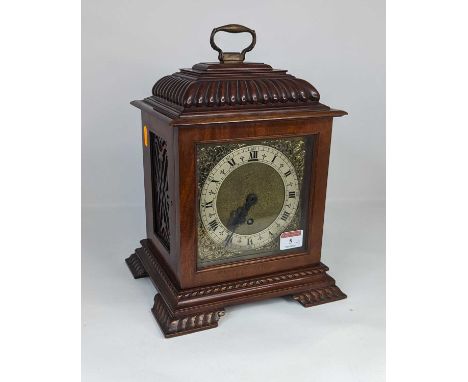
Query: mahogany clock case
220 103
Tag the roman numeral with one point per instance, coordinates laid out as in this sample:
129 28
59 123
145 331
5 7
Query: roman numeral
249 241
208 204
232 162
213 225
287 173
274 158
253 156
285 215
292 194
214 181
270 233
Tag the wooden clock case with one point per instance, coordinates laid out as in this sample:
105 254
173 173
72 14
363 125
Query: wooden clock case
224 102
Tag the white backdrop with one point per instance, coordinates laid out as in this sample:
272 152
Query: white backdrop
339 47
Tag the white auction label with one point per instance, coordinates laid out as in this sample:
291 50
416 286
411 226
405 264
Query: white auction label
291 239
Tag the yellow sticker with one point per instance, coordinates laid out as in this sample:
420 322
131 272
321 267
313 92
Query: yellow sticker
145 135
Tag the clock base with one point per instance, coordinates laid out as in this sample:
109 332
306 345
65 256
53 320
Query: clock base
183 311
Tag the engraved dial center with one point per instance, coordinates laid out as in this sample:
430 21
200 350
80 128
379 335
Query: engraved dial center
256 179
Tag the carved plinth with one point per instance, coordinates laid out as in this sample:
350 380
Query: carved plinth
135 266
173 326
181 311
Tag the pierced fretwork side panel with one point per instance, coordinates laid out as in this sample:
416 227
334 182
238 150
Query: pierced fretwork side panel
160 185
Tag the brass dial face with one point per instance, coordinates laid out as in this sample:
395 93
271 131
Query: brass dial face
249 195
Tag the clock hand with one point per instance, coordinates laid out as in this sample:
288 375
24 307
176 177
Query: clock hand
239 215
228 239
232 225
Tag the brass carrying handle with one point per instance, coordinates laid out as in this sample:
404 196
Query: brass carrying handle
232 57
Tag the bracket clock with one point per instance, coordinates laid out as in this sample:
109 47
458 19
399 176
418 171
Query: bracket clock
235 159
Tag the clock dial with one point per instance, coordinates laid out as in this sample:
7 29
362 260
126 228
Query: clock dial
249 195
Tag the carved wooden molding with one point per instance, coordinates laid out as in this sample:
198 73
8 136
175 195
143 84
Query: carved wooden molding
319 296
172 326
216 93
230 286
136 267
161 274
219 86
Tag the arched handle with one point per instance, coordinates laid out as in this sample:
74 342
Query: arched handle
232 57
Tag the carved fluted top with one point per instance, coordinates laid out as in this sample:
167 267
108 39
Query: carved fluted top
249 85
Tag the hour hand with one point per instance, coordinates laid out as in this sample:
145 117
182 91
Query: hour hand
239 216
228 240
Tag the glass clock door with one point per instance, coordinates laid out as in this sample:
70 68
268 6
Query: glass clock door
252 199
